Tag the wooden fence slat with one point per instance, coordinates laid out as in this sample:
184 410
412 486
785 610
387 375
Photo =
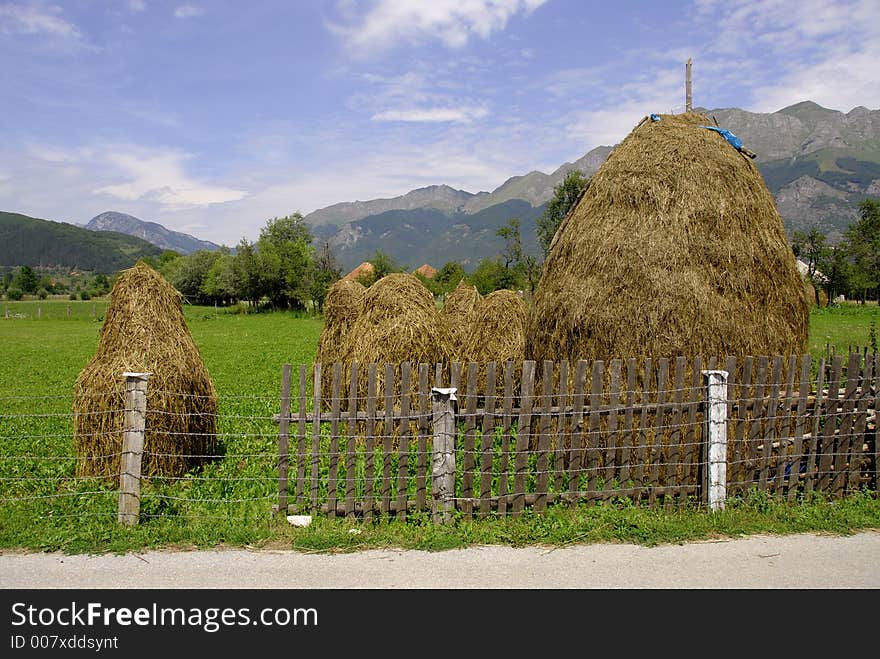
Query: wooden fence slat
350 451
740 452
470 425
612 439
800 422
370 463
826 453
523 437
593 458
316 434
770 421
542 465
561 426
811 474
673 471
283 438
424 430
488 441
507 423
659 430
786 426
860 426
403 441
642 433
843 444
301 440
627 445
576 442
332 472
693 432
387 438
758 404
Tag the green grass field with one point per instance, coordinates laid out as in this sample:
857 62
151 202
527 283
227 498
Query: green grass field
44 507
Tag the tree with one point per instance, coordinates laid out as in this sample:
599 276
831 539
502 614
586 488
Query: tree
491 275
285 253
26 280
219 285
834 264
383 264
862 241
324 272
808 247
190 273
523 267
565 196
248 277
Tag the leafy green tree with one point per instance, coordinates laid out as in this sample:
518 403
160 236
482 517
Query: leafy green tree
219 285
248 276
565 196
523 267
449 275
808 247
492 275
862 241
834 264
286 253
190 273
324 272
26 280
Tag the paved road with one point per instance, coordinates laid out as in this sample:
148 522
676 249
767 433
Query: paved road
796 561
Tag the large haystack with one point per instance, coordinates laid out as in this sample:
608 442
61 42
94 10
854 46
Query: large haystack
497 333
676 248
144 331
399 323
457 313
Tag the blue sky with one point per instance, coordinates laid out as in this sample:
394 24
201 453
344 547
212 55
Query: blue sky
213 116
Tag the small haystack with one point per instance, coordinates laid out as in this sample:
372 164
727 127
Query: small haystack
399 323
342 306
426 271
497 333
457 313
144 331
364 272
676 248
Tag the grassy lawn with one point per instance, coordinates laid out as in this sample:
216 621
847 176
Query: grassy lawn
229 502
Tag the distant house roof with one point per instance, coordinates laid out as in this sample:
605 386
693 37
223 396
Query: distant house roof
427 271
363 270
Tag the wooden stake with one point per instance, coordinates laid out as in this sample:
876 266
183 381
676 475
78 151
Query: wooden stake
688 101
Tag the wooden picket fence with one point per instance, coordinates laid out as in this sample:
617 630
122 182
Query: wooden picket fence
496 438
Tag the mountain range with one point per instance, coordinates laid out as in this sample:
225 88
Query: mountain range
818 164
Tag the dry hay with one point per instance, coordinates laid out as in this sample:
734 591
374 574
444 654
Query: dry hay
676 248
497 333
457 313
342 306
399 323
144 331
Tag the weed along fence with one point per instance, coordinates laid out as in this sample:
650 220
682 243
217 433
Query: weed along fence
500 438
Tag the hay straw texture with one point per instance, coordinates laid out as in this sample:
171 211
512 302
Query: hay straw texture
497 332
457 313
144 331
399 323
342 306
676 248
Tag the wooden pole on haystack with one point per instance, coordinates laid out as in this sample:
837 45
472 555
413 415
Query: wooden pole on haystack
688 100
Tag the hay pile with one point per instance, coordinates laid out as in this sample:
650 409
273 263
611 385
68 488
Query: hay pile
399 323
342 305
497 332
676 248
457 313
144 331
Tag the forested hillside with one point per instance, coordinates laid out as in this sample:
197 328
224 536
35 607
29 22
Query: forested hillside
47 244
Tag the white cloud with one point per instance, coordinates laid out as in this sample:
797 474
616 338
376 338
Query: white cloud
160 177
18 19
188 11
463 114
453 22
136 5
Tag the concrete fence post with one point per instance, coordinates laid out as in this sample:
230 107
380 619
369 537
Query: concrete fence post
132 448
715 440
443 460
